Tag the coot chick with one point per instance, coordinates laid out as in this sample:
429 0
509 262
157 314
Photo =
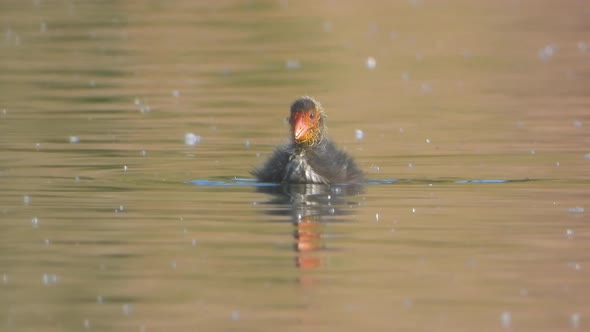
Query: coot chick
310 157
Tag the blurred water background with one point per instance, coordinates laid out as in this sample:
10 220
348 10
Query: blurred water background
109 108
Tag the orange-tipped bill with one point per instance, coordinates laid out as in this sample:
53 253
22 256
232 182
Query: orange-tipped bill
301 128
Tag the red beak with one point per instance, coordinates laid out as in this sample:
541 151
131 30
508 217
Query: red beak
300 127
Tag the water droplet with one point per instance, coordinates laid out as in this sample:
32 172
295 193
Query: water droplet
547 52
411 165
99 299
27 200
376 216
127 309
35 222
235 315
194 242
578 124
575 320
125 168
247 144
175 93
293 64
428 140
86 324
191 139
373 28
74 139
408 303
506 319
569 233
371 62
413 210
4 278
49 279
577 209
359 134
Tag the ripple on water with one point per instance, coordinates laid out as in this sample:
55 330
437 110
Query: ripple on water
240 182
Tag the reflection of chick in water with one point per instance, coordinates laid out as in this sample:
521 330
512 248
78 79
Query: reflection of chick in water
308 239
310 206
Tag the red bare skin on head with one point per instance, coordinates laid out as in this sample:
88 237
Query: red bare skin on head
304 125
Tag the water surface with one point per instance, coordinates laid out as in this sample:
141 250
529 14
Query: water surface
470 119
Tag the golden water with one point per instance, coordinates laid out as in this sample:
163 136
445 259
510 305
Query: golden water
99 229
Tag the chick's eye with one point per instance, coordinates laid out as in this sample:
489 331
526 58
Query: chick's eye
312 115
